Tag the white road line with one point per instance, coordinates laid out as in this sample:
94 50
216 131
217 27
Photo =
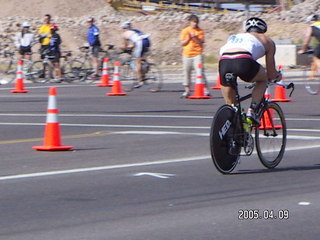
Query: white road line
101 168
130 165
132 116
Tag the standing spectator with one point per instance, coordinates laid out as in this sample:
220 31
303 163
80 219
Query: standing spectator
24 41
55 53
94 42
44 35
192 41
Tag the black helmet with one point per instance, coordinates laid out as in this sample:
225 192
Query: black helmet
255 24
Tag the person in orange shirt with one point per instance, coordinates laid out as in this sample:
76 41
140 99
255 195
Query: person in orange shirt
192 41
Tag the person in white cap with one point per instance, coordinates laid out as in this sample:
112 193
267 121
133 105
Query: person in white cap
24 41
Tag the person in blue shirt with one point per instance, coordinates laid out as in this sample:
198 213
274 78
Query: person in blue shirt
55 53
94 42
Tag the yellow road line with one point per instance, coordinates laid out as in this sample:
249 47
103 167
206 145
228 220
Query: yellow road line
95 134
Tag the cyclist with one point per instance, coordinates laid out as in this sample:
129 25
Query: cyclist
55 53
44 35
94 42
239 56
192 41
24 41
140 42
312 31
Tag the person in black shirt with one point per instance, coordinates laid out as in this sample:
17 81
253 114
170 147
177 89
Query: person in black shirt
55 53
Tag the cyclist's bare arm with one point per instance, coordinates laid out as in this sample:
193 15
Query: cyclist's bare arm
272 72
307 40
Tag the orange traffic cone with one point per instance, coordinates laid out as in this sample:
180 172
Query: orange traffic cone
19 86
280 92
218 83
52 140
116 88
267 94
105 75
199 86
267 120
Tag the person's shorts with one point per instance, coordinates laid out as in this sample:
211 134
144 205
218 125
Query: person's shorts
240 64
317 51
44 50
141 48
25 50
95 51
55 57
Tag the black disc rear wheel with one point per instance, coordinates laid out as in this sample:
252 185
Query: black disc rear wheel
225 152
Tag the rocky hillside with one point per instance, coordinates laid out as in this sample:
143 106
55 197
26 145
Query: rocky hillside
164 28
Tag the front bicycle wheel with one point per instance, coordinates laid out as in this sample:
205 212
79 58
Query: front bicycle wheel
40 72
271 136
153 78
128 76
312 80
225 151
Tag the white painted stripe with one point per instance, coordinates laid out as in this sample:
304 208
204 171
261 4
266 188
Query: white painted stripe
129 165
138 116
52 103
52 118
102 168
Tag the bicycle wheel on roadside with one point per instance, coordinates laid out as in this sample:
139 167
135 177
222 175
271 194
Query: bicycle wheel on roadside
128 77
271 136
224 152
7 71
40 72
312 80
153 78
71 71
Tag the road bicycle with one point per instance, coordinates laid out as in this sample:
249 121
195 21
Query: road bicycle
8 67
42 71
311 75
231 134
80 68
152 74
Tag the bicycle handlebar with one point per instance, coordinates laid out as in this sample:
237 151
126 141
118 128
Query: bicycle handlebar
275 82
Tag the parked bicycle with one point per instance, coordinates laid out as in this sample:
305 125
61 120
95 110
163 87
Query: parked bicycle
42 71
80 68
8 67
152 74
311 75
231 134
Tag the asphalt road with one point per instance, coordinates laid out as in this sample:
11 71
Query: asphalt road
141 169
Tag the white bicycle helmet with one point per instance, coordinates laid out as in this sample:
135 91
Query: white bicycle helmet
25 25
126 25
311 18
255 24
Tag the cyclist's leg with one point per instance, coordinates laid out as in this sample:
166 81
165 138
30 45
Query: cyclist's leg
261 85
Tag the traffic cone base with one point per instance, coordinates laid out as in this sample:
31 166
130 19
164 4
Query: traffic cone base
266 122
19 85
116 88
105 78
218 83
199 86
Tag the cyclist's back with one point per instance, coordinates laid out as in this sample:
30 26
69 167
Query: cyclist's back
239 55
